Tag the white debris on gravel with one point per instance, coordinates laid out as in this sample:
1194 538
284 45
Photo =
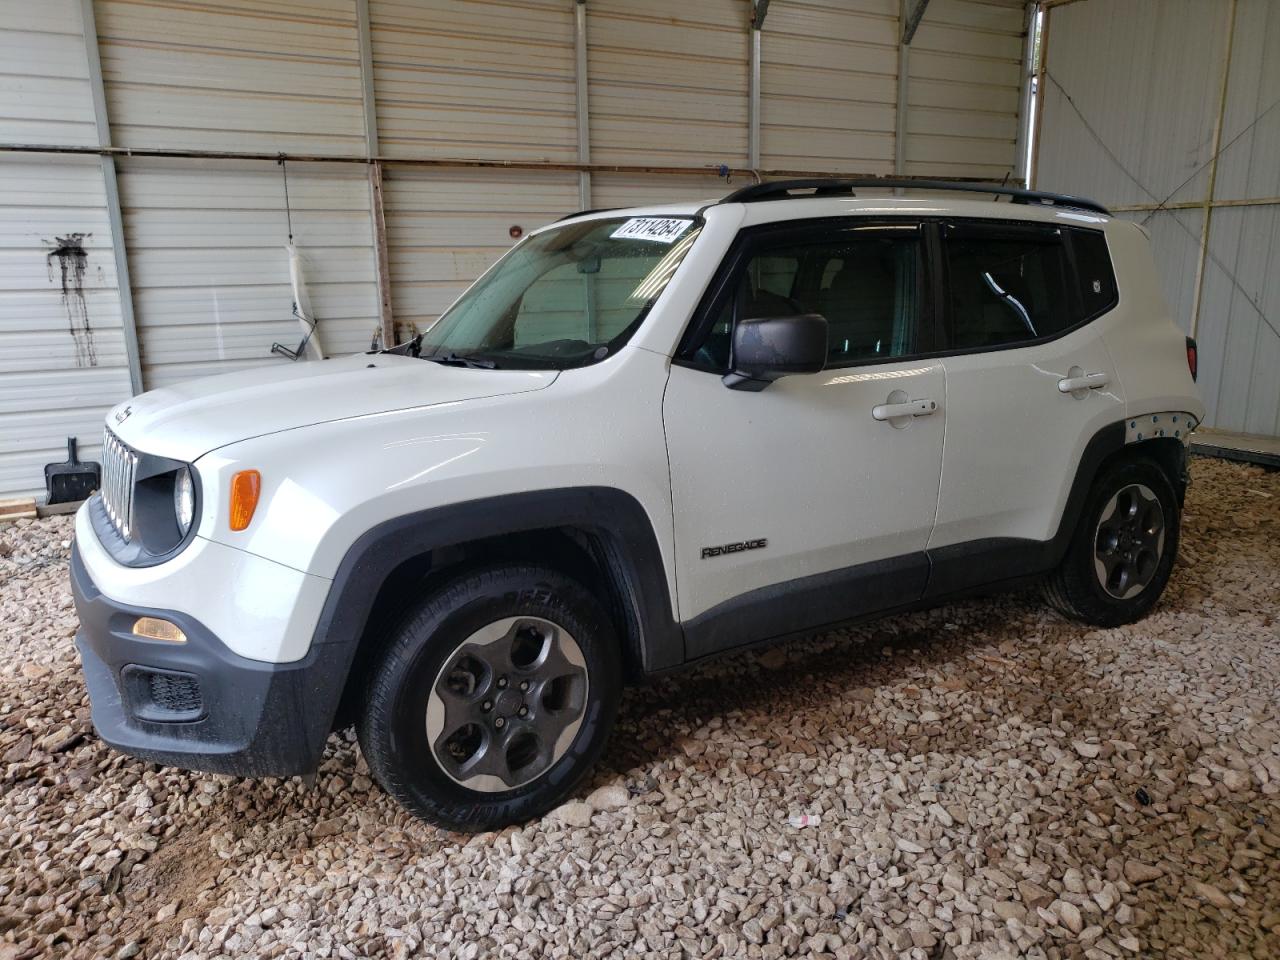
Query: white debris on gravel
989 781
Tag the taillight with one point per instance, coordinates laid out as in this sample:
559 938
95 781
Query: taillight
1193 359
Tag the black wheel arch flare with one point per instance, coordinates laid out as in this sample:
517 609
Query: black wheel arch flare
612 519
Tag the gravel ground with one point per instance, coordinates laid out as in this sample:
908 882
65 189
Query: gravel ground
990 781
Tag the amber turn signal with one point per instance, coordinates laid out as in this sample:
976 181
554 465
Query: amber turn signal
153 628
245 487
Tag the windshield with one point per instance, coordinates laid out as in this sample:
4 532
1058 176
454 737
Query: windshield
565 297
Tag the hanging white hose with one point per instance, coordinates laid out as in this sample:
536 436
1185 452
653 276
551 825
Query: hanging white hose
310 332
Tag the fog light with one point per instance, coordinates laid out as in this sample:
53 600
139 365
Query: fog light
153 628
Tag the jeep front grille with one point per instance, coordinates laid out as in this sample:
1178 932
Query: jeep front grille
119 464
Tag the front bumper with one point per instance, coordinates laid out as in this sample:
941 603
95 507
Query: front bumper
198 705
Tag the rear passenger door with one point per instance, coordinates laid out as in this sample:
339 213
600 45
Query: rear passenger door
1029 382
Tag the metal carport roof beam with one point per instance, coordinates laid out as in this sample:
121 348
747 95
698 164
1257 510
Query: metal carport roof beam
707 170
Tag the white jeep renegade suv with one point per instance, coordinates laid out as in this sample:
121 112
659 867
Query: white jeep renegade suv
642 438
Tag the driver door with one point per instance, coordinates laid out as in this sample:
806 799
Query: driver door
802 504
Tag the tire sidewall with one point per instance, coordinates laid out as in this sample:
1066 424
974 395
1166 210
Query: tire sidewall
431 634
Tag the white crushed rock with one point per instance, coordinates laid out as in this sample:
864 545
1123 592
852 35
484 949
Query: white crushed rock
989 781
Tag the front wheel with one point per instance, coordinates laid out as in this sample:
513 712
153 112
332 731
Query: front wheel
493 699
1123 551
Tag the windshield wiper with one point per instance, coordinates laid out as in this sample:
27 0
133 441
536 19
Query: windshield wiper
460 360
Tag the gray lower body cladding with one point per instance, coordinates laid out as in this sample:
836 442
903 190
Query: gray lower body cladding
197 705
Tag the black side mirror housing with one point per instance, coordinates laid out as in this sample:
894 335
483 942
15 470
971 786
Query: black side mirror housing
767 348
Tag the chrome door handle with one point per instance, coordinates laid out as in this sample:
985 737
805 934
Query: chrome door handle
1087 381
911 408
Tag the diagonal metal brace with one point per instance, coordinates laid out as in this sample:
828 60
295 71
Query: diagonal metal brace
912 21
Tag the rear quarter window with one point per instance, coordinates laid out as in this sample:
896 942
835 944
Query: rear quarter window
1097 278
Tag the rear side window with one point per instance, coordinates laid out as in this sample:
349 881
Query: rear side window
1007 285
1097 279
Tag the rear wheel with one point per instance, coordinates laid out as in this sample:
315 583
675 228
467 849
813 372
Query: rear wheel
1123 550
494 698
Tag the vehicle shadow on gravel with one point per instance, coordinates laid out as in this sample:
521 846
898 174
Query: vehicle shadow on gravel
751 688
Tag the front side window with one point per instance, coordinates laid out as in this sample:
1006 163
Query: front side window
1006 286
865 283
565 297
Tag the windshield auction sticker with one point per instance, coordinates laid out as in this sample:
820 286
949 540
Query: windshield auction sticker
657 229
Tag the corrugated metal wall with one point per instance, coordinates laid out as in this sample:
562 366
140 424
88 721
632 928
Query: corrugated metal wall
666 85
62 360
206 240
667 81
210 272
444 228
225 75
829 85
482 79
1154 145
966 72
493 80
44 74
1240 310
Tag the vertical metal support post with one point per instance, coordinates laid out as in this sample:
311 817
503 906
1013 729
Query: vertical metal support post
1041 67
377 212
580 100
111 187
365 39
753 95
904 86
583 113
1020 165
1213 169
386 317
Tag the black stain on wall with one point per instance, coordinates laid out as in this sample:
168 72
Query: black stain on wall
72 259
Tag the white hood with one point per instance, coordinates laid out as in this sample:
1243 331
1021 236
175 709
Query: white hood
190 419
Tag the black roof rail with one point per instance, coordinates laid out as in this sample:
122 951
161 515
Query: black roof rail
782 190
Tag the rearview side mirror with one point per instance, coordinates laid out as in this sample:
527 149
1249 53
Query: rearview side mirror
767 348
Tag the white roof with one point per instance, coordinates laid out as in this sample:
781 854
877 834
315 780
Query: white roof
922 203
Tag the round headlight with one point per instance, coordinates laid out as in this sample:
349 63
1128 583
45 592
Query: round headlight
184 500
